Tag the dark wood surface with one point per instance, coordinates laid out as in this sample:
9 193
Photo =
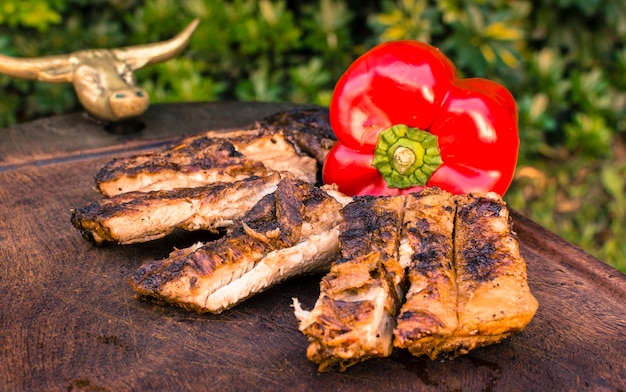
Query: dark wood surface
69 321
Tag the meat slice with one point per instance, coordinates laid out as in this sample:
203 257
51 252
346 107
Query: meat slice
144 216
308 129
428 317
494 300
354 316
204 159
290 232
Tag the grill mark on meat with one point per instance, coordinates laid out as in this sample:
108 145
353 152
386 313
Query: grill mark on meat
376 221
271 244
479 208
482 258
427 321
143 216
423 261
483 261
289 212
262 212
344 313
202 154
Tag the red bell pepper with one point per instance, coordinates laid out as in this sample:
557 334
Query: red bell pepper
404 120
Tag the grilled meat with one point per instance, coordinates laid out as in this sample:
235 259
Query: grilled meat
144 216
466 280
494 300
289 232
205 159
308 129
353 318
470 296
428 317
436 274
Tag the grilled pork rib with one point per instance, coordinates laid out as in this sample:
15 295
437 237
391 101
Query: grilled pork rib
144 216
205 159
353 318
494 300
290 232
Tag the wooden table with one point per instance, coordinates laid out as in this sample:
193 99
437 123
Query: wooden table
69 321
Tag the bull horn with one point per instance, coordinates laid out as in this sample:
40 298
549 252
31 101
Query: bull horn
59 68
51 69
142 55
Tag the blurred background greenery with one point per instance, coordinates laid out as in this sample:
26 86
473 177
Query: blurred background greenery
563 60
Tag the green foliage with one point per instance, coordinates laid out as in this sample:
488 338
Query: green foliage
563 60
34 13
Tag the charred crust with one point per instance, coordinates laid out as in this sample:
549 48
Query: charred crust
150 278
479 208
358 224
369 223
82 213
482 260
308 130
427 261
430 249
314 121
219 154
420 227
340 316
228 149
289 211
425 322
263 211
315 197
88 235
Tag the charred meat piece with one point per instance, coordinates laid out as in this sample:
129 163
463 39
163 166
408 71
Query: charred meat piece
204 159
494 300
144 216
428 317
468 285
308 129
354 316
290 232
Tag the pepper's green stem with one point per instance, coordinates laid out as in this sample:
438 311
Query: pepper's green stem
406 156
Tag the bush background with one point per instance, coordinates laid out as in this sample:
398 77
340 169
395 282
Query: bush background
563 60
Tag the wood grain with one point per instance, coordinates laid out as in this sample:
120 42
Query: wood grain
69 320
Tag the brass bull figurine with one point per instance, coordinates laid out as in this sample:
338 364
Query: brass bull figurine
103 79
